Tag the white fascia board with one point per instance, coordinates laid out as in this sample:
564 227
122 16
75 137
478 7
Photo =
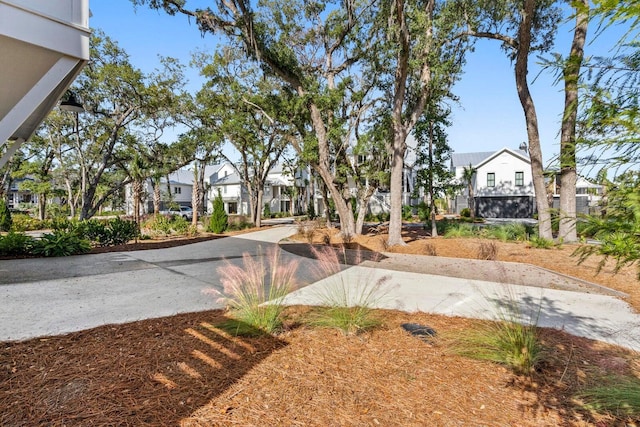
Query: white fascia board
44 31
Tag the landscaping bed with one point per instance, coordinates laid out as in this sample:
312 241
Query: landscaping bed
186 370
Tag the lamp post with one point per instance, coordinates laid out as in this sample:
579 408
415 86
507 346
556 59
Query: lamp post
71 104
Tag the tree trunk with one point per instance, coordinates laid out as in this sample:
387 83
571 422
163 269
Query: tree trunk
70 198
258 220
42 203
195 199
156 196
396 187
568 172
434 228
363 204
531 118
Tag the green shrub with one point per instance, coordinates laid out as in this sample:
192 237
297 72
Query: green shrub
15 244
266 213
24 222
465 213
424 212
383 216
5 216
311 211
460 230
61 243
219 220
540 242
121 231
180 225
407 213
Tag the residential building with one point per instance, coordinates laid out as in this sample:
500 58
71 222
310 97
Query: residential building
20 198
285 191
176 188
502 185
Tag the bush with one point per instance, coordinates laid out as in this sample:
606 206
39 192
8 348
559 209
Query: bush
61 243
460 230
25 222
121 231
465 213
15 244
219 220
5 217
266 213
407 213
311 212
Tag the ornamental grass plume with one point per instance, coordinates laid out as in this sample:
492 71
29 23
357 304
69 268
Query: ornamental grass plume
254 292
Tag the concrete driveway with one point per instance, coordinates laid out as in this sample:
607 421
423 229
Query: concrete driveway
49 296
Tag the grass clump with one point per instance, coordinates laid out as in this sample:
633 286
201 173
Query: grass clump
505 342
462 229
509 340
488 251
345 305
254 292
619 397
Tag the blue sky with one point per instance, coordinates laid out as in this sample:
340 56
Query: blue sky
488 118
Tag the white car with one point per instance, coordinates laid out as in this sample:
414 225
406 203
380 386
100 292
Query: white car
184 211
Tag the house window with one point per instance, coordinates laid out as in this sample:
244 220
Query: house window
177 190
519 179
225 189
491 179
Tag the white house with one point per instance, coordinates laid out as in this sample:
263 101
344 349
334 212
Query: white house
43 46
502 185
283 191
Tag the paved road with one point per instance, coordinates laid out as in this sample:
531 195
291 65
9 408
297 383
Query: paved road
57 295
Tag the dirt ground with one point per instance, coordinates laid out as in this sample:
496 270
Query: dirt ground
185 370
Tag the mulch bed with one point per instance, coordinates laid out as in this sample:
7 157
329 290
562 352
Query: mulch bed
183 370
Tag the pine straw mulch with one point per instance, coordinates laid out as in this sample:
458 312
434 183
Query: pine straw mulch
183 370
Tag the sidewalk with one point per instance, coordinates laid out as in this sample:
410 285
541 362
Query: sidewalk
53 296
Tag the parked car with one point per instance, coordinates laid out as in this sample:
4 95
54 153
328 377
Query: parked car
184 211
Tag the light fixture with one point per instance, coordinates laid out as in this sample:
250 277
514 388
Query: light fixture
71 103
